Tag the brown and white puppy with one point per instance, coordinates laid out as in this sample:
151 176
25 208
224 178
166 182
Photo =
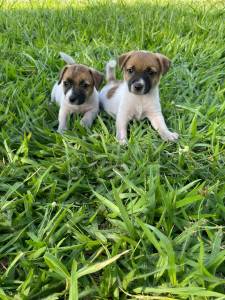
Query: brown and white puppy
137 96
76 92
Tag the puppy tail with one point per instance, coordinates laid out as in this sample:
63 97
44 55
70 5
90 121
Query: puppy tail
111 70
67 58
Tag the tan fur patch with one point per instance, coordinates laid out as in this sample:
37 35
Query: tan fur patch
113 89
78 73
142 60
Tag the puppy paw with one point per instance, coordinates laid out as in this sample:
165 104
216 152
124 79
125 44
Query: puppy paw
86 123
169 136
122 141
61 130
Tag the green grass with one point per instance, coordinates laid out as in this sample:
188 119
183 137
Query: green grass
81 216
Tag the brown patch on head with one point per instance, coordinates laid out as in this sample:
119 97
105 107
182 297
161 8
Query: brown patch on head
144 60
78 73
80 81
144 68
113 89
124 58
97 77
78 77
82 75
62 73
164 62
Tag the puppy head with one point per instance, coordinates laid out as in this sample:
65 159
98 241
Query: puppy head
78 82
143 69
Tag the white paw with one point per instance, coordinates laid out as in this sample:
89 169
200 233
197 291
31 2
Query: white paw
61 130
86 123
122 141
169 136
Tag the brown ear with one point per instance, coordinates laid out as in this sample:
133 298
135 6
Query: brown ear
122 60
164 63
62 73
97 77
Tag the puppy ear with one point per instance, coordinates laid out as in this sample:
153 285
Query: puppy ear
122 60
97 77
62 73
164 63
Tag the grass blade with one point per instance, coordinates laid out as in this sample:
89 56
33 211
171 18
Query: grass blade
98 266
73 293
56 265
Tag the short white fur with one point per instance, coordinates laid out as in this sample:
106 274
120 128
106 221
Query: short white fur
125 106
90 108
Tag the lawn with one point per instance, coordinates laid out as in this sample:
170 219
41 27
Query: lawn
80 215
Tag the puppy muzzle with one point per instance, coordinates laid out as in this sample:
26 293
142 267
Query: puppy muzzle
139 85
77 98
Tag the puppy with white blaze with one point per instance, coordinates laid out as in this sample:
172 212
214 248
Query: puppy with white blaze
76 92
137 96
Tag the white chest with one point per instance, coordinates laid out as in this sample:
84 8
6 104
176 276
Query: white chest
141 105
139 111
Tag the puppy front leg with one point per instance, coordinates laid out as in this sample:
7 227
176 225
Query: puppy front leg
158 123
121 128
89 118
62 119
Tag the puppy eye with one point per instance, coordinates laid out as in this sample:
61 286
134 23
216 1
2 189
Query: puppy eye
84 84
130 70
66 83
150 71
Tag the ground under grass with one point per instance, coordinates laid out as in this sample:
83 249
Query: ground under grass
78 213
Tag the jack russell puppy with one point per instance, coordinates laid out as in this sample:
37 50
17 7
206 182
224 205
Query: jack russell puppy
137 96
76 92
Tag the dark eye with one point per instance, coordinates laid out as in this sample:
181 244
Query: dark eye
66 83
84 84
130 70
150 71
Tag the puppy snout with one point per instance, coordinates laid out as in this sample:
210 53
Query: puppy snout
72 98
138 86
77 97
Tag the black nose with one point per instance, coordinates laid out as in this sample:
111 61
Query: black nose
138 86
72 98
